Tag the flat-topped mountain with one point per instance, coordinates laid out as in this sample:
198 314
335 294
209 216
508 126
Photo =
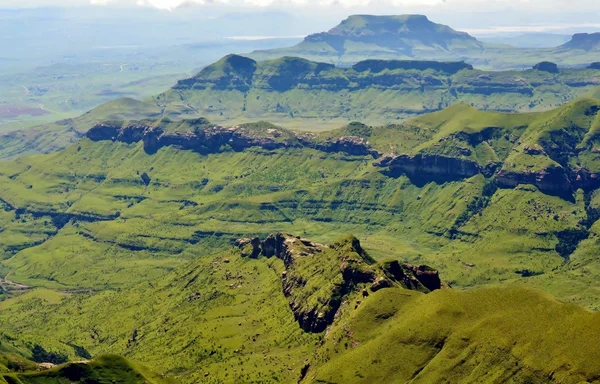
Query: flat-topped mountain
399 33
584 41
403 36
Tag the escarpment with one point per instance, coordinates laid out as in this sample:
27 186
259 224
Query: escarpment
211 139
555 151
318 278
433 167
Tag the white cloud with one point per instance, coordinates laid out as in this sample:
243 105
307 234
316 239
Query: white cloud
389 6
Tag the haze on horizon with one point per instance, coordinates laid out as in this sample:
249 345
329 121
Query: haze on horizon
497 16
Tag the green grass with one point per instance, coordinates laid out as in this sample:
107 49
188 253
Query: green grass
105 369
477 336
146 271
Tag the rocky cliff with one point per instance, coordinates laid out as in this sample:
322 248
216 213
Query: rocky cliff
425 167
344 267
552 180
211 138
376 66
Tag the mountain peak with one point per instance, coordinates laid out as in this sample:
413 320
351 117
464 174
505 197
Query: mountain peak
401 25
401 33
585 41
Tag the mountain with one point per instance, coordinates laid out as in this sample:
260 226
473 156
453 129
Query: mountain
214 253
415 37
302 94
238 89
404 36
583 41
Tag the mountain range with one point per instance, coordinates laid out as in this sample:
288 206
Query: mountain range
393 221
316 96
163 240
410 37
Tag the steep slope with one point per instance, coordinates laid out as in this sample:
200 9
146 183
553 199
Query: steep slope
377 91
317 96
481 336
135 199
230 316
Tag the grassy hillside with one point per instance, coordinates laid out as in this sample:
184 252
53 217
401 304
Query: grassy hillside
105 369
108 214
373 91
478 336
314 96
110 248
225 318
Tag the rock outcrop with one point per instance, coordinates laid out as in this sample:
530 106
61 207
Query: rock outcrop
317 278
546 66
376 66
552 180
211 139
424 168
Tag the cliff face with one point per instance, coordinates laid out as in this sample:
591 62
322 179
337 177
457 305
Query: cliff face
212 139
376 66
433 167
318 278
552 181
452 158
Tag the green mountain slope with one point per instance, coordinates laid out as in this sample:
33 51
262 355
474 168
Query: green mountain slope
105 369
480 336
122 244
375 91
235 318
316 96
136 199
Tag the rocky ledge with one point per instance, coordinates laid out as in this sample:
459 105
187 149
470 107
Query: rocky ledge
552 181
211 139
421 168
424 167
318 278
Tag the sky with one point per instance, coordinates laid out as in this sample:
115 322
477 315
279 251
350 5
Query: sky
391 5
476 16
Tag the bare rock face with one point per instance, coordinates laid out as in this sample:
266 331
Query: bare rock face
430 167
104 131
337 270
586 179
553 181
211 139
411 276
